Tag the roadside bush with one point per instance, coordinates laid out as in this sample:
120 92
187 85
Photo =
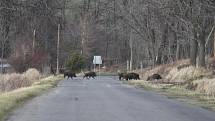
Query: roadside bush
32 74
76 62
14 81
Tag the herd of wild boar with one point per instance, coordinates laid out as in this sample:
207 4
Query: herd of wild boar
122 76
135 76
70 74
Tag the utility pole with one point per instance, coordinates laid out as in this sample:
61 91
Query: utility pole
141 67
131 39
58 47
214 39
2 55
34 38
131 46
128 65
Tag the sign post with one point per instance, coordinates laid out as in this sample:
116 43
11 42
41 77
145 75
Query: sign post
97 60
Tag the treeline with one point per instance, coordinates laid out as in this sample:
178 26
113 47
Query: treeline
150 31
28 32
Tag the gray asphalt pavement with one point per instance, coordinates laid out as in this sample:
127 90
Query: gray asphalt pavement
106 99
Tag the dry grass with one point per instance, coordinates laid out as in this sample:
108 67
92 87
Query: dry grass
184 82
32 74
206 86
187 74
162 69
14 81
196 79
179 92
10 100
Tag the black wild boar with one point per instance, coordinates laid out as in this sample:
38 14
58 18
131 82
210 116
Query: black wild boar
154 77
90 75
131 76
136 76
69 74
122 76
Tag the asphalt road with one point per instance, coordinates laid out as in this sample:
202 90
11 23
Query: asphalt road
106 99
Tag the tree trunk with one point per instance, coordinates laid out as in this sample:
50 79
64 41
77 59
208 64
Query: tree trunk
193 51
178 46
178 51
202 53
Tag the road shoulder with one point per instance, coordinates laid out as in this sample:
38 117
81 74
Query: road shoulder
177 92
11 100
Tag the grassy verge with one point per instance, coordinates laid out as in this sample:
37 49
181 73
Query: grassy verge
179 93
11 100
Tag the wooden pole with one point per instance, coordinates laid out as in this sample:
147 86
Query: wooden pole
99 70
2 56
34 38
214 39
141 67
58 47
128 65
131 39
131 59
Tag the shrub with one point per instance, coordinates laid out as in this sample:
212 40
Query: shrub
14 81
32 74
76 62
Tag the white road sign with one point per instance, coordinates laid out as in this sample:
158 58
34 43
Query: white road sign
97 60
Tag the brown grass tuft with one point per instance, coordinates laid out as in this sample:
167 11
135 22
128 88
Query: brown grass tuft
14 81
206 86
187 74
163 70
